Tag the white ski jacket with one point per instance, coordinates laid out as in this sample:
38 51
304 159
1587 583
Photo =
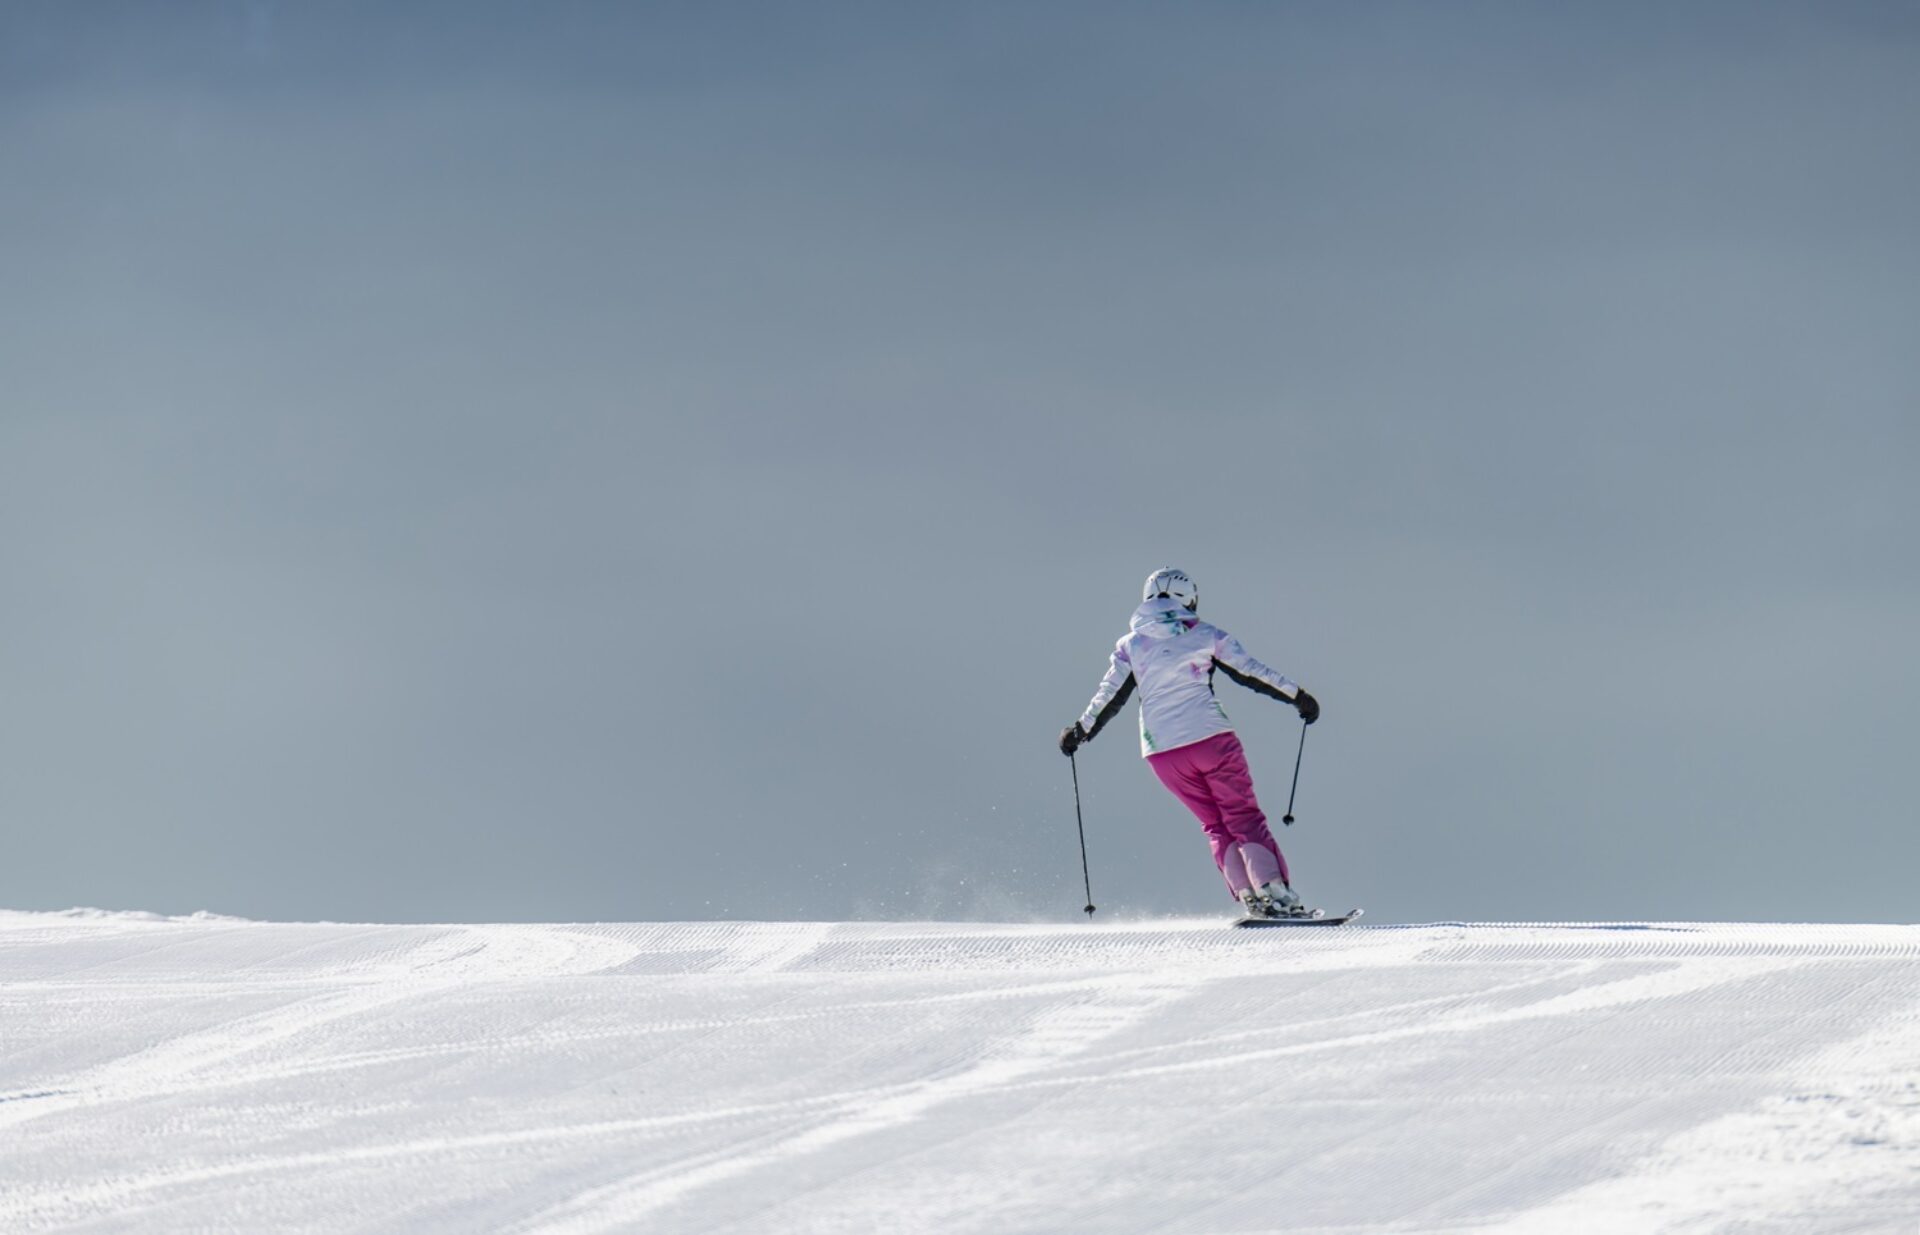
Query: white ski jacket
1171 655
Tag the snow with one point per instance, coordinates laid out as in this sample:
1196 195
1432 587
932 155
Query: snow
214 1074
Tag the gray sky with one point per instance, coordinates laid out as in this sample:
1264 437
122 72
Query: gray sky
563 461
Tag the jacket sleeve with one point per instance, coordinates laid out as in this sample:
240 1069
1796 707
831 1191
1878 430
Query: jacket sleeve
1234 661
1114 690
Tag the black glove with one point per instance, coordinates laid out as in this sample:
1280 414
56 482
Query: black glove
1071 737
1308 705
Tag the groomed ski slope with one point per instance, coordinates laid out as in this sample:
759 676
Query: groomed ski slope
1165 1076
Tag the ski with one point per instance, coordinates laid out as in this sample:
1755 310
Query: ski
1325 919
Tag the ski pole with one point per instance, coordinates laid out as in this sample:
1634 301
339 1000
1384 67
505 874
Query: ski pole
1288 817
1081 824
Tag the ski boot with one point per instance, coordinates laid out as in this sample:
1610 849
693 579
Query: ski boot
1282 902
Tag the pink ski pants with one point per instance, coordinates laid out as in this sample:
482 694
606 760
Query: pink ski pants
1212 778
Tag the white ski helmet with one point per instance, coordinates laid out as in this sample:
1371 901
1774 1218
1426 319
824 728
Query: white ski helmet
1173 583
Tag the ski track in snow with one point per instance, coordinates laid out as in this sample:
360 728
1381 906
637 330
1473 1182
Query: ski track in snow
212 1074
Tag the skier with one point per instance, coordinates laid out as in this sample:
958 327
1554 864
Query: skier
1186 738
